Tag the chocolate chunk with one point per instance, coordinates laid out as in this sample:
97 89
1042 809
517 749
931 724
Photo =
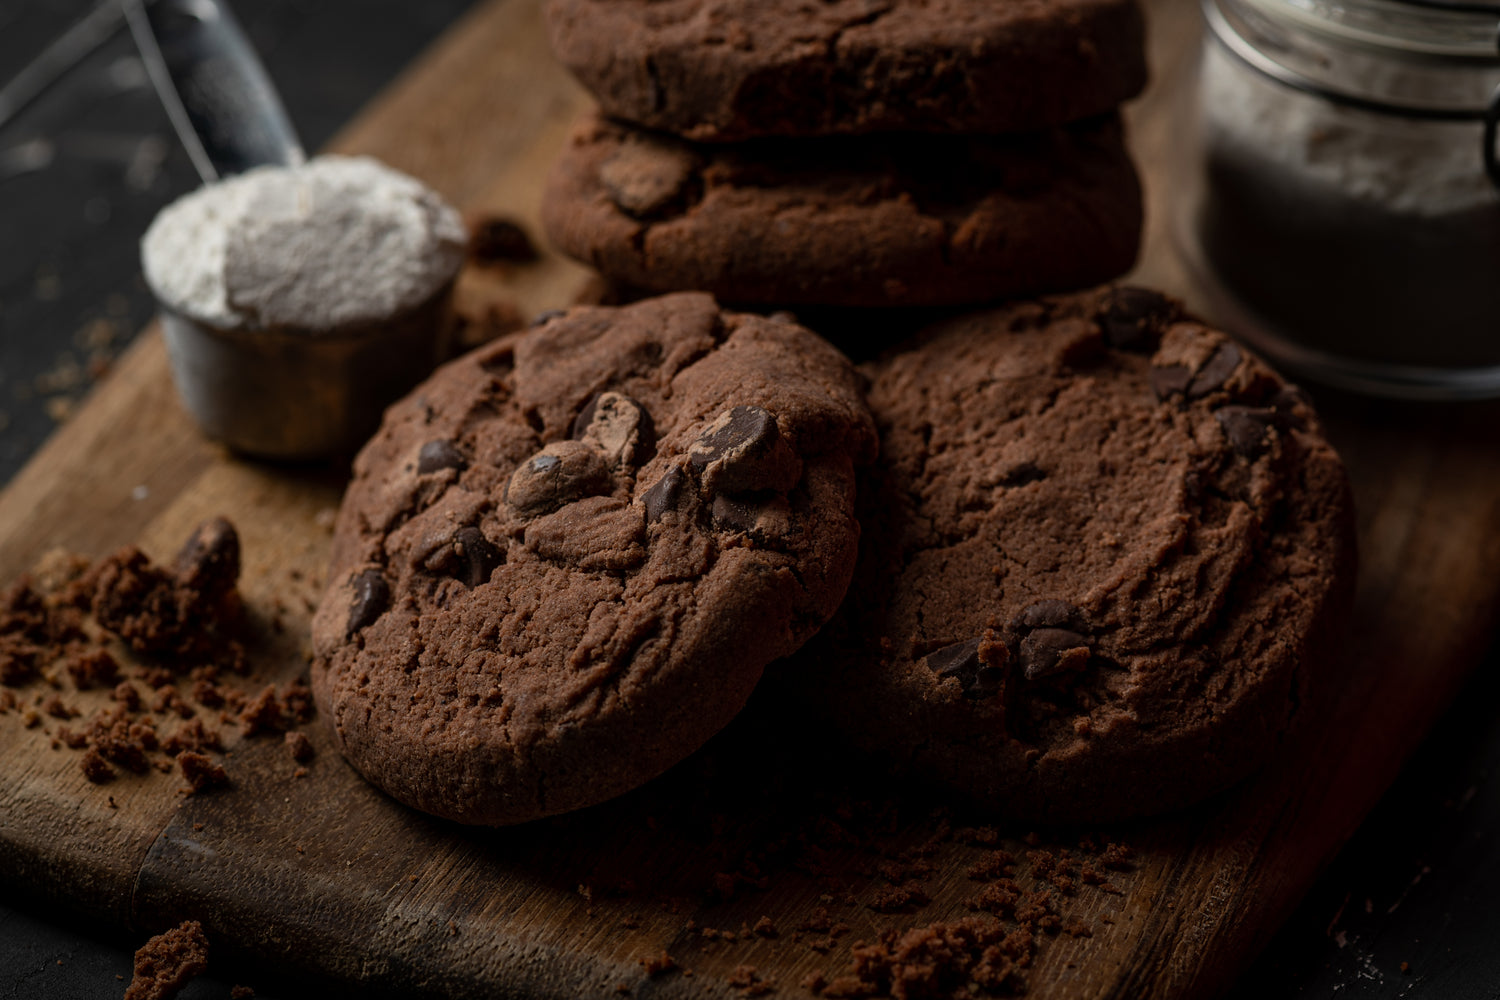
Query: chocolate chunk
438 455
480 557
494 238
958 660
1051 614
742 451
979 679
562 472
1048 651
209 562
647 179
619 427
664 495
1245 427
734 513
1169 380
741 431
1134 318
1215 372
372 595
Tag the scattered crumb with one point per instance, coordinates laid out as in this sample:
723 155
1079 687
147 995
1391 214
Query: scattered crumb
747 980
659 965
96 768
166 963
299 746
201 772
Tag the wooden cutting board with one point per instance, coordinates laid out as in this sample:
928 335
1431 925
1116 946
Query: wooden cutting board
324 873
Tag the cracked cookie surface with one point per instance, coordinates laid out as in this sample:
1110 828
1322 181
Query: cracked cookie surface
1105 554
726 70
869 221
566 558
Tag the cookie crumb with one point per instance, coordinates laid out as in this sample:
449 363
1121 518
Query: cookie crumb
299 746
747 980
96 768
166 962
201 772
659 965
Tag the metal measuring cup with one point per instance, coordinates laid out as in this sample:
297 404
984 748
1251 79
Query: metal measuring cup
272 391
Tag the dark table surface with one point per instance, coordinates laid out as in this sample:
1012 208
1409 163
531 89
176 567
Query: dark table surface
1407 910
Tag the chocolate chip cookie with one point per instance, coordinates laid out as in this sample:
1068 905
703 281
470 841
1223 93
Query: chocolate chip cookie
1106 551
871 221
725 70
565 559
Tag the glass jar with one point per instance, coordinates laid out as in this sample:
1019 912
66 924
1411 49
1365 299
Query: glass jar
1342 207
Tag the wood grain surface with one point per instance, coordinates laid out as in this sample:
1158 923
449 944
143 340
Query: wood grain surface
324 873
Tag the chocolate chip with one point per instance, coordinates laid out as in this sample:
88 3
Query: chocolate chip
1215 372
664 495
647 179
1169 380
209 562
618 426
958 660
1051 614
1022 474
1286 403
493 238
438 455
372 595
1134 318
546 316
1048 651
1192 486
742 451
562 472
480 557
1245 427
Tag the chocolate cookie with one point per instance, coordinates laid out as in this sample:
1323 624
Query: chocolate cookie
565 559
1106 549
872 221
725 70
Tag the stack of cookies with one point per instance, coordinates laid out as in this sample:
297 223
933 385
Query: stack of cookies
1074 558
850 152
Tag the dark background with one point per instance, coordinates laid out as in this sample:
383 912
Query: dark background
1408 910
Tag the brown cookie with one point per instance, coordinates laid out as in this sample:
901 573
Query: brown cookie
1105 551
725 70
874 221
566 558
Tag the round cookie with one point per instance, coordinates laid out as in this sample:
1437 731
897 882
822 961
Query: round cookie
566 558
1106 550
870 221
726 71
